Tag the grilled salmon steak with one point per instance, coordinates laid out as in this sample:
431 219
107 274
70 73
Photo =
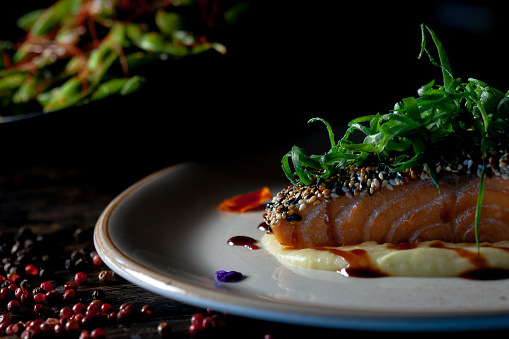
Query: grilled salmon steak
391 208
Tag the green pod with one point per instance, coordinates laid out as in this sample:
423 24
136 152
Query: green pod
132 85
137 59
120 86
11 81
26 21
152 42
108 88
134 33
66 95
207 46
168 22
25 93
45 22
114 40
51 17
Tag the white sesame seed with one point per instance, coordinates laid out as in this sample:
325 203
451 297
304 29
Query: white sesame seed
376 183
334 195
505 176
389 186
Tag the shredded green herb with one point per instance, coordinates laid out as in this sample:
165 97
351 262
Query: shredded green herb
441 125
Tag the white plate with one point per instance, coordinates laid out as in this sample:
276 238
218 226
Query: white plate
166 235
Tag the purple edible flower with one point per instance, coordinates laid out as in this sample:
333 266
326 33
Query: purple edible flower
231 276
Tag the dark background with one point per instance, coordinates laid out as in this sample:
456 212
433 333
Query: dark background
287 62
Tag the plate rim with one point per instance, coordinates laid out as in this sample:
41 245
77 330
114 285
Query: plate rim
282 311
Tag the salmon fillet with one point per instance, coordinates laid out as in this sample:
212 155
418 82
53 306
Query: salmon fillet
398 211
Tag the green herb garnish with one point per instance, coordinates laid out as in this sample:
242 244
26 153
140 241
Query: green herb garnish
442 124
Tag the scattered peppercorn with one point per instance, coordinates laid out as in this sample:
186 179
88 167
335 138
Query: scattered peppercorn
69 294
105 277
165 329
80 278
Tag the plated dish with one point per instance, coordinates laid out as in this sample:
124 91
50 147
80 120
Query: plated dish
166 235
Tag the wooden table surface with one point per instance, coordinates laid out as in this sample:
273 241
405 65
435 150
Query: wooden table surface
59 206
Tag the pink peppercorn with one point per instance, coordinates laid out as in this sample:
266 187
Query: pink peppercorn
5 318
72 326
80 278
71 286
39 308
97 333
31 270
84 334
46 328
147 310
40 298
13 306
108 308
13 287
65 312
97 260
59 329
69 294
13 277
92 311
79 308
19 292
47 286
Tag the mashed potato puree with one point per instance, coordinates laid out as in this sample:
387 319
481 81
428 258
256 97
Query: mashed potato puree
426 259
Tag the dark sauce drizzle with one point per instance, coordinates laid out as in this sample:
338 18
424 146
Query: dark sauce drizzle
361 266
242 240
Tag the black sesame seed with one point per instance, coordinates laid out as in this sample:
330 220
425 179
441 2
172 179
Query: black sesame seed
292 201
293 217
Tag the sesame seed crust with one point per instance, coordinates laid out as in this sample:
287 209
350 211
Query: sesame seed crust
354 181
